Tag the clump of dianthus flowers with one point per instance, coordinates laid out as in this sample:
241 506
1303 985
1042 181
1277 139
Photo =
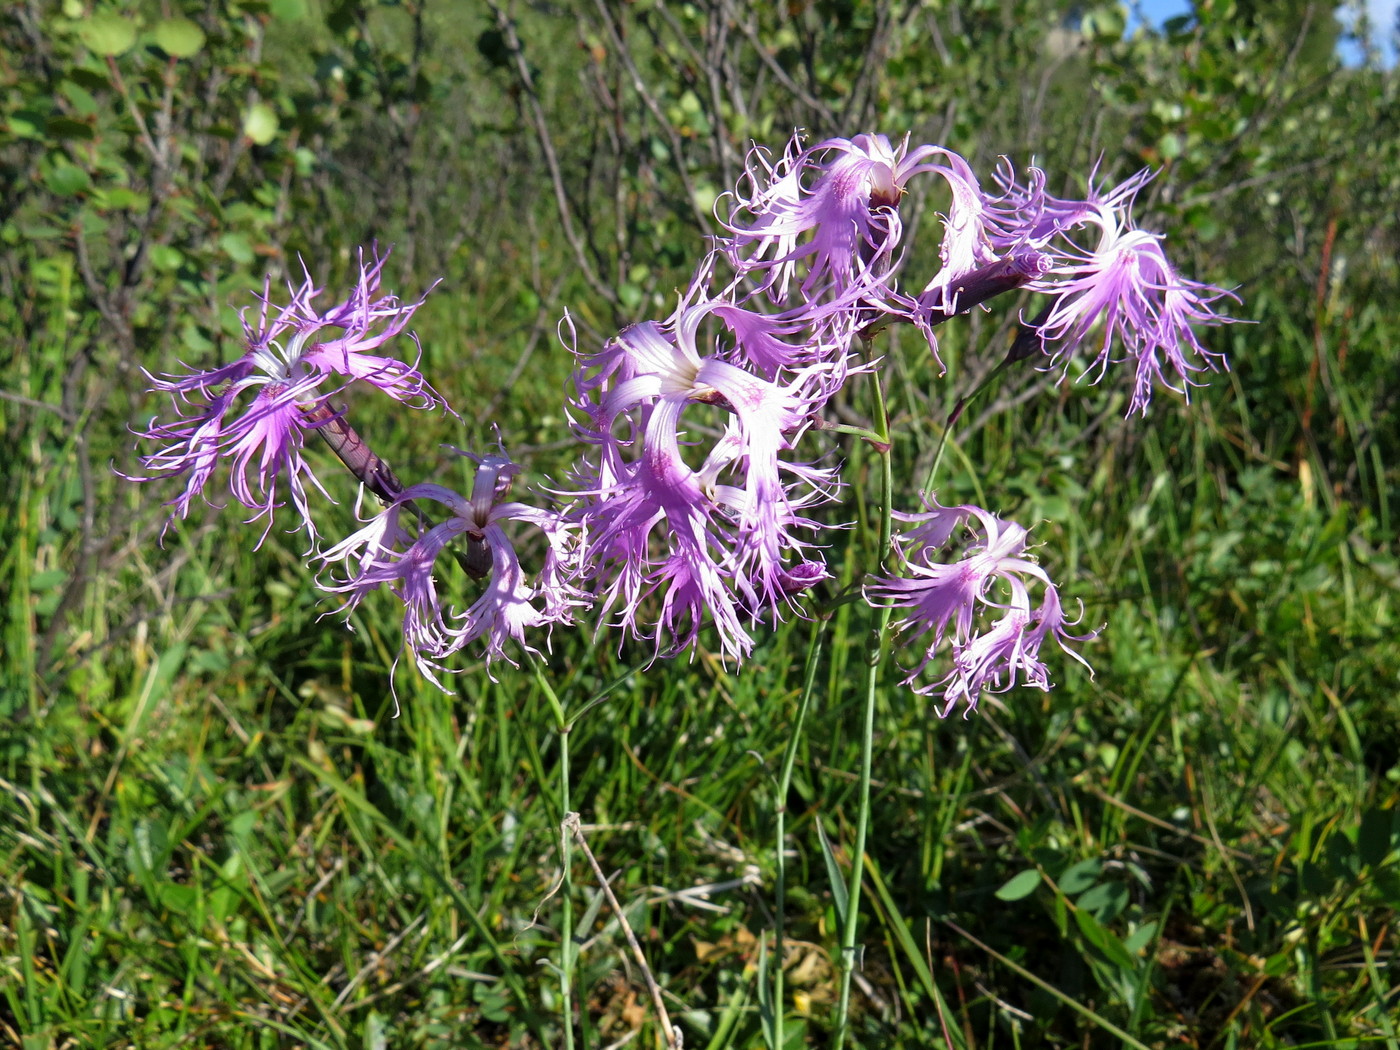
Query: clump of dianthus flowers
702 497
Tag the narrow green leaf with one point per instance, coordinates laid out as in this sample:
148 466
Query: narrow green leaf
905 936
1055 993
765 998
1102 938
833 872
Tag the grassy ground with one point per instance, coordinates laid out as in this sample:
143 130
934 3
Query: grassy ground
216 833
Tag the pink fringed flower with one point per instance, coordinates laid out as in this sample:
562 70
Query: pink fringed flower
723 539
1121 296
255 412
385 554
955 601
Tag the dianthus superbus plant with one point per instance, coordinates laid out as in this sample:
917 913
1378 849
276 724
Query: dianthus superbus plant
701 502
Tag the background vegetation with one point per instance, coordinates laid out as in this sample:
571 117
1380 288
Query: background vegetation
212 831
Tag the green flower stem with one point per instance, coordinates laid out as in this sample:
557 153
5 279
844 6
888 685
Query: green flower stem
955 415
804 703
567 948
867 744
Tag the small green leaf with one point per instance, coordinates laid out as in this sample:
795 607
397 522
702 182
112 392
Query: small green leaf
1339 856
82 101
1106 23
179 37
48 579
178 897
237 248
242 824
146 852
66 179
166 258
705 197
495 1004
1019 886
1314 879
1106 900
1140 938
26 124
1204 221
1079 877
37 230
629 295
118 198
107 34
1387 883
195 342
68 128
260 123
377 1030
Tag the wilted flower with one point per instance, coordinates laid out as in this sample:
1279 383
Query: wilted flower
954 600
256 411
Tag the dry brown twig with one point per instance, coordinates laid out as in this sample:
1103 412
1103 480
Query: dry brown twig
674 1038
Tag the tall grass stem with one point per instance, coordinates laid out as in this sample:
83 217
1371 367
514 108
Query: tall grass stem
804 703
566 907
879 624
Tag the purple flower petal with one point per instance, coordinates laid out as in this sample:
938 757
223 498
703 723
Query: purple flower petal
952 601
253 412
